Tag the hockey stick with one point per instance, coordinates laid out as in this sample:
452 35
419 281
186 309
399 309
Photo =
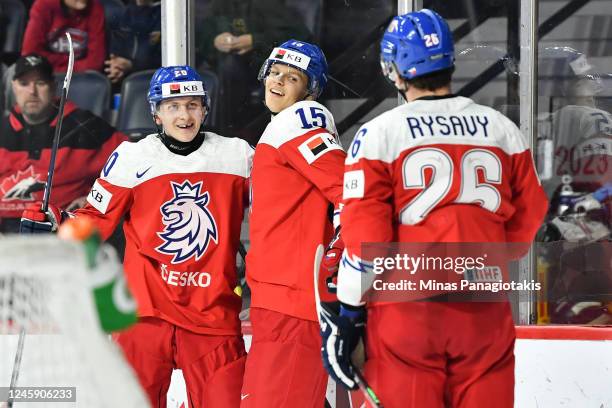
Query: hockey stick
345 86
16 366
363 385
58 127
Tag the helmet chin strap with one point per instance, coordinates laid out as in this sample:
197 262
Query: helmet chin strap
402 90
160 129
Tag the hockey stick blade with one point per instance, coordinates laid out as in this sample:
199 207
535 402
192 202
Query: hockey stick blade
58 127
317 268
367 391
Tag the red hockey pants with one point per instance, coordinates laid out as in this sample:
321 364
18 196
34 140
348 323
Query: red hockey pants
437 355
284 367
213 366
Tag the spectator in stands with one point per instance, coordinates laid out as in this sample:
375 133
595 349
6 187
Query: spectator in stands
26 136
136 44
51 19
234 39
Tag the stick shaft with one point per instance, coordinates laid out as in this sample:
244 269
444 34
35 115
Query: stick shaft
58 127
16 364
367 391
54 148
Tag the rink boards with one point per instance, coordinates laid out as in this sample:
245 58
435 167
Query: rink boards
555 366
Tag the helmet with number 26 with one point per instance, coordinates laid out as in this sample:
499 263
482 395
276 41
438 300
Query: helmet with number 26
416 44
306 57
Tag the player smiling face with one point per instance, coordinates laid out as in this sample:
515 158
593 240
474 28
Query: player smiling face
285 86
181 117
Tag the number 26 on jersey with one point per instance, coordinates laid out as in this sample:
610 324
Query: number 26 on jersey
471 191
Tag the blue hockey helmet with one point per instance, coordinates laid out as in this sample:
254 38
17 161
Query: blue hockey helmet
173 82
306 57
416 44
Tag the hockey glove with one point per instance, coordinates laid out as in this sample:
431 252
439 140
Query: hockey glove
341 332
586 203
594 200
331 261
34 221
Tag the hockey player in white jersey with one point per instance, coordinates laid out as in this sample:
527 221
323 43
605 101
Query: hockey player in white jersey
438 169
182 192
297 176
574 141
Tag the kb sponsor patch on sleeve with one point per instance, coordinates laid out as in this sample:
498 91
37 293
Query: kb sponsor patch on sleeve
99 197
317 146
354 184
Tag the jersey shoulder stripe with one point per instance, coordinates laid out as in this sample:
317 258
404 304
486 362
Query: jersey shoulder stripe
132 164
297 120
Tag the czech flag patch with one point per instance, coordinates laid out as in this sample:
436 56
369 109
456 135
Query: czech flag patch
175 88
317 145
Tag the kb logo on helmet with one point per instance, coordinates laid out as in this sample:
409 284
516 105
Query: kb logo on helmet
190 88
292 58
187 88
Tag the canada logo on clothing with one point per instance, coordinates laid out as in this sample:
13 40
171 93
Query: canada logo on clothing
21 186
189 225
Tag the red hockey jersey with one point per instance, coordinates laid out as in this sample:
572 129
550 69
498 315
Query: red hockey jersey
437 170
182 227
297 173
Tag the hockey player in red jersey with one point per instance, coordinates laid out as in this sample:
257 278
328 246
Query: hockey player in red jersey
439 168
297 174
183 192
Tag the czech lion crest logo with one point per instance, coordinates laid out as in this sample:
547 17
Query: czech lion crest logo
189 225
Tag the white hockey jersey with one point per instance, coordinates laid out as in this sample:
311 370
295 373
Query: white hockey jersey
182 227
437 169
581 148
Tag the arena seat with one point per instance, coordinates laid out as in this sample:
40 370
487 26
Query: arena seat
83 86
134 117
211 81
12 19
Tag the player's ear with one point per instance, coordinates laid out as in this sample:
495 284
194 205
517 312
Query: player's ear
157 120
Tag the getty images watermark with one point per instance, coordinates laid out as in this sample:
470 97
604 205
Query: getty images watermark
415 271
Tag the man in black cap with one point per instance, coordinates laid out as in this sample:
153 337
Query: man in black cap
33 87
26 136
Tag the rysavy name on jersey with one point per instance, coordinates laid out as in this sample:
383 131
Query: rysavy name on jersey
454 125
